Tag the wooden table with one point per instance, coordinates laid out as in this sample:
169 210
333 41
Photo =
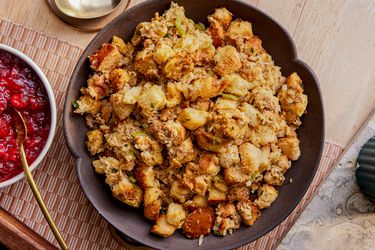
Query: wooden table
335 37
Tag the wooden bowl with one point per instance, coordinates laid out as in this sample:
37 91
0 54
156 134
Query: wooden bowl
280 45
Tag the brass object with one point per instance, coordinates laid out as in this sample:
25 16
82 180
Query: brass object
21 135
87 9
84 23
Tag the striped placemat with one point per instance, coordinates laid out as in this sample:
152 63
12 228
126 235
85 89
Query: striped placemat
79 222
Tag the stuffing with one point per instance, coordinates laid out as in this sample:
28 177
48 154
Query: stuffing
95 142
151 149
219 22
292 99
209 164
248 211
145 176
290 147
162 227
87 104
199 222
182 154
176 215
124 190
180 192
204 87
236 85
198 125
196 202
152 99
118 78
192 119
227 219
97 87
238 193
216 196
106 59
227 60
235 175
238 31
266 195
229 157
177 66
145 63
120 108
126 49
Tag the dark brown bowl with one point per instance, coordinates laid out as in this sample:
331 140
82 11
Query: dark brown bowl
280 45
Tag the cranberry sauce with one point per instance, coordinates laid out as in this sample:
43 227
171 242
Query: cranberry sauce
21 88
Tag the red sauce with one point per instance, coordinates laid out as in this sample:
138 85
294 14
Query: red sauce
21 87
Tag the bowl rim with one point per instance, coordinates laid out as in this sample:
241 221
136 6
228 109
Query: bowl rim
293 58
52 103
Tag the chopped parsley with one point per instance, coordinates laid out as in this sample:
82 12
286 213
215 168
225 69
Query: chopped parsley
75 105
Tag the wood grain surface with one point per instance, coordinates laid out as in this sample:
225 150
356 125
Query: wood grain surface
335 37
16 235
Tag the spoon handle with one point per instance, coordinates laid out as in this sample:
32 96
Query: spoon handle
40 201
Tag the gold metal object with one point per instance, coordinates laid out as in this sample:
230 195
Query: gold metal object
88 25
21 135
87 9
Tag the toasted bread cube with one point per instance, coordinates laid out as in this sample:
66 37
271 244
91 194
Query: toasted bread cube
95 141
151 149
223 16
106 165
234 174
239 29
219 183
106 59
162 227
173 94
227 219
238 193
252 114
199 222
163 52
177 66
152 194
152 99
145 63
215 196
88 105
267 195
209 164
179 191
118 78
250 157
230 157
121 109
152 211
227 60
205 88
290 147
132 95
248 211
193 118
125 49
196 202
145 176
236 85
126 191
176 215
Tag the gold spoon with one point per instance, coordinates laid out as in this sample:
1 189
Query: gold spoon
21 135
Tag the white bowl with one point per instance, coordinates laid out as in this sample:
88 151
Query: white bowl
52 103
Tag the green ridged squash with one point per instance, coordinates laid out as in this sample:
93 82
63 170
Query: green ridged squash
365 172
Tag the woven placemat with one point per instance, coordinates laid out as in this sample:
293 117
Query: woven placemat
79 222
